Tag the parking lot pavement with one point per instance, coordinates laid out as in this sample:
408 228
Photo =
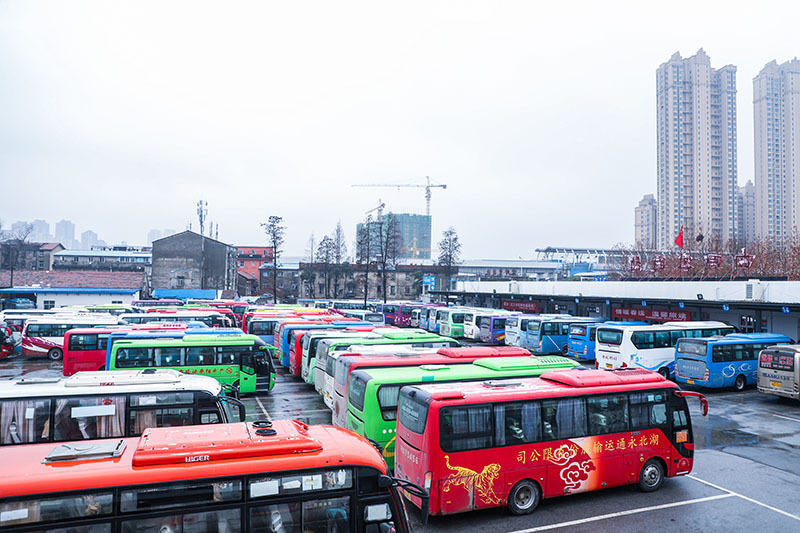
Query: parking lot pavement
717 496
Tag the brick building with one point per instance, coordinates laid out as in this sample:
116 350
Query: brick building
188 260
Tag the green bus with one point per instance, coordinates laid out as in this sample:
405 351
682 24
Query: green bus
451 321
312 338
373 393
235 360
388 337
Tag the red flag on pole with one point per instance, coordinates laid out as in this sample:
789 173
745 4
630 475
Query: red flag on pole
679 239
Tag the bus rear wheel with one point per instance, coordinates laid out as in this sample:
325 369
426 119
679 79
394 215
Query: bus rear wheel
524 497
739 383
652 476
55 354
664 371
565 351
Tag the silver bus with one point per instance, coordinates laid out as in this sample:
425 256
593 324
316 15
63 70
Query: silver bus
779 371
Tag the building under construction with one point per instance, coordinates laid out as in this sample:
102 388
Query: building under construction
415 234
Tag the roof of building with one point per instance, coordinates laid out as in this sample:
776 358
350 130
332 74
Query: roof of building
65 290
174 235
101 253
50 245
73 279
246 275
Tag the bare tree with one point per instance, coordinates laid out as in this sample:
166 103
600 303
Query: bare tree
388 248
15 246
275 229
325 261
338 257
365 249
449 257
308 274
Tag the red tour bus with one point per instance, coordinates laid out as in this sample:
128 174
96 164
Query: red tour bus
263 476
513 442
85 348
405 356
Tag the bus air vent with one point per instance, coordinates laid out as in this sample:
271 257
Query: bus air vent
433 368
36 381
501 383
86 451
217 442
452 394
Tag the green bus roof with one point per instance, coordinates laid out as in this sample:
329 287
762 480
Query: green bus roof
488 368
337 341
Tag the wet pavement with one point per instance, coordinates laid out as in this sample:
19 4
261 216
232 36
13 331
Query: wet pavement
746 474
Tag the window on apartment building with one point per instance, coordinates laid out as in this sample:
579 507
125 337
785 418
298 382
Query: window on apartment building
392 290
49 304
75 259
180 281
41 264
241 263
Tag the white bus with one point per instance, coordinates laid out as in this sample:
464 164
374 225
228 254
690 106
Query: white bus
44 336
472 324
121 403
779 371
212 319
367 316
650 347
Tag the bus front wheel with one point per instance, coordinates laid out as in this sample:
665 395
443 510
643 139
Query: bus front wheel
55 354
740 383
652 476
565 351
664 371
524 497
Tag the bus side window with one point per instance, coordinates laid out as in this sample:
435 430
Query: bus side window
564 418
593 334
517 423
200 355
134 358
675 335
647 409
662 339
24 421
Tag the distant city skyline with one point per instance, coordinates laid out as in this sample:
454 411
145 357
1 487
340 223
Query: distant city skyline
527 112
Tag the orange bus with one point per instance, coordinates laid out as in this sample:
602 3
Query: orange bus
262 476
513 442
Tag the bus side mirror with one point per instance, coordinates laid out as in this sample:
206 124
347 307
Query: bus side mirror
385 481
703 401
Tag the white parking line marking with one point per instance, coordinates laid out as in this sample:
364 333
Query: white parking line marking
788 418
624 513
261 406
751 500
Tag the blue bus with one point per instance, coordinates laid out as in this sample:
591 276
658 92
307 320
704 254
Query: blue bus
581 342
286 332
725 361
548 335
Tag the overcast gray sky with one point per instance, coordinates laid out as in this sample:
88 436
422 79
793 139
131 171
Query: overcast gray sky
540 118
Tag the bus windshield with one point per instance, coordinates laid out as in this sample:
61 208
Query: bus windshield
609 336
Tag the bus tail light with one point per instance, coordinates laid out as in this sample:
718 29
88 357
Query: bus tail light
705 376
596 364
624 365
427 480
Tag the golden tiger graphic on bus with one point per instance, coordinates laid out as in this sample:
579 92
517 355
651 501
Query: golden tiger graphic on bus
473 482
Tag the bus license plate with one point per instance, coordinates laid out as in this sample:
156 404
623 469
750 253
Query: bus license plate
609 365
690 381
776 384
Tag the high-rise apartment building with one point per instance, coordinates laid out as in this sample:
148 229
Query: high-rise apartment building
153 235
65 234
746 217
776 109
41 231
88 239
646 215
696 121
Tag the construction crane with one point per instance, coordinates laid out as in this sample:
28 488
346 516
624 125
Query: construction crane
379 209
427 186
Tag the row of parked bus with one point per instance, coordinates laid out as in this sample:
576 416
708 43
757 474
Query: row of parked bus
485 426
139 469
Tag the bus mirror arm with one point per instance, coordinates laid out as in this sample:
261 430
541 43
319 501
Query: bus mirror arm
412 489
703 401
240 406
